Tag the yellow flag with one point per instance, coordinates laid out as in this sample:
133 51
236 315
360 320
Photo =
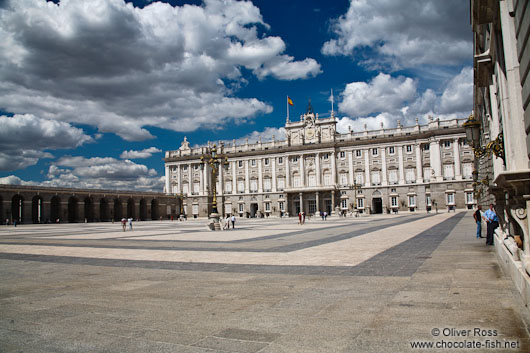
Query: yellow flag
290 101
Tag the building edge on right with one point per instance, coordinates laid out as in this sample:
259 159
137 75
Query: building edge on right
500 127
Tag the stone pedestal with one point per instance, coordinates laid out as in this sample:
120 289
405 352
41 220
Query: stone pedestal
214 217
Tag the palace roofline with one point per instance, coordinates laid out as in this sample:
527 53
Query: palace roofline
400 133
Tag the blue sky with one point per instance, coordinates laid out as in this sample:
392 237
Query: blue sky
92 92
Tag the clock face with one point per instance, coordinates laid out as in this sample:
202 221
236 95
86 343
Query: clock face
310 133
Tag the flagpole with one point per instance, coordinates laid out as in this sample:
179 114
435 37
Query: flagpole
287 104
332 99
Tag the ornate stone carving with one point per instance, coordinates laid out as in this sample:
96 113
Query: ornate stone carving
518 214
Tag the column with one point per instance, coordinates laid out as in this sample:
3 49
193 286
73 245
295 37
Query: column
350 165
273 167
168 190
384 180
419 165
234 177
260 176
401 165
318 171
179 179
332 201
333 169
220 177
301 203
456 155
318 200
436 160
366 167
247 179
190 179
513 125
287 173
201 181
302 171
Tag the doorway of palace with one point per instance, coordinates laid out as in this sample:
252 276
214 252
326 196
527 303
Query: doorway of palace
253 209
17 208
103 210
377 205
143 210
37 210
297 207
327 206
73 212
154 209
89 210
55 209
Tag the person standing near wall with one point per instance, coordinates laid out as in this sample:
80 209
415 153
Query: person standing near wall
478 220
493 222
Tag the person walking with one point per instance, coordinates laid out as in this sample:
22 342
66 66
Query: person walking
233 219
300 218
492 223
130 223
123 223
477 215
227 222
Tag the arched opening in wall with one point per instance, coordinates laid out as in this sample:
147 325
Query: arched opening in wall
143 210
17 209
377 202
117 210
89 209
130 208
37 209
154 209
103 210
55 209
73 210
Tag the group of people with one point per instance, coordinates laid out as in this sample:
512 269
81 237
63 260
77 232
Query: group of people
491 219
301 218
124 222
225 222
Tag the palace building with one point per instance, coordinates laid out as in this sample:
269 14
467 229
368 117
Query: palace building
315 168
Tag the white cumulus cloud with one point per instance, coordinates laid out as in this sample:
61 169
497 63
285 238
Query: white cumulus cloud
386 100
108 64
382 93
145 153
24 139
404 33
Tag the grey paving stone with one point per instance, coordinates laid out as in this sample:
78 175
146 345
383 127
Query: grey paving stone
439 278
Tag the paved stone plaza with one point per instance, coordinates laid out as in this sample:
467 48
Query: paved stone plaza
370 284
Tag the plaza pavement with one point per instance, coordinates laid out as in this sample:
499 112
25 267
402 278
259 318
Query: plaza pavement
367 284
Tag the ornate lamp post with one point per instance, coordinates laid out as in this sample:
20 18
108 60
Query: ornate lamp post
355 187
472 126
214 161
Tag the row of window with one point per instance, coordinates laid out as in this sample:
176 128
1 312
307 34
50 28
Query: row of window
325 156
411 202
375 179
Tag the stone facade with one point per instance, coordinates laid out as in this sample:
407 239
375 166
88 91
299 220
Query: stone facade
315 169
501 105
36 204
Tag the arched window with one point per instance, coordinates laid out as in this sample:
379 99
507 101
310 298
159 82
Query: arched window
343 178
267 184
253 185
327 177
311 178
296 180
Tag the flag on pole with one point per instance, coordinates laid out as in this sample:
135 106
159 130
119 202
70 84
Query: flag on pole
289 101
